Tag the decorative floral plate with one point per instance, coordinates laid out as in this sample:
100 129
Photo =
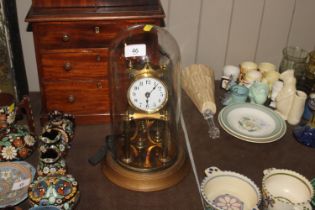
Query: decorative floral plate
15 177
271 138
252 122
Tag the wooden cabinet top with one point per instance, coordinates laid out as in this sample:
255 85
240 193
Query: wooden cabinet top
138 11
91 3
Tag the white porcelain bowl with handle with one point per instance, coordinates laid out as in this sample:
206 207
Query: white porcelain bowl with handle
229 190
285 189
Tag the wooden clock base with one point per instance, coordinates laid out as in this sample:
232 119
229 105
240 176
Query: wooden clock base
146 182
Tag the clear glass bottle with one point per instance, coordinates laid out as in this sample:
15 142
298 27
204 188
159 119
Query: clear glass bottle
295 58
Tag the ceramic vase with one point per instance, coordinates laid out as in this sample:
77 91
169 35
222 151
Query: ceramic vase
58 132
55 136
17 141
62 121
286 95
297 109
51 161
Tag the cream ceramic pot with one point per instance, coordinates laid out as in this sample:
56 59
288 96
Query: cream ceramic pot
251 77
229 190
266 67
247 66
286 190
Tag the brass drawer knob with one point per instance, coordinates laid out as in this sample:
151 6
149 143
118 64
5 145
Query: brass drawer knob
67 66
71 99
99 85
65 38
98 58
97 29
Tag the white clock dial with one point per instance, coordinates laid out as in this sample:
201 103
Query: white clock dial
147 94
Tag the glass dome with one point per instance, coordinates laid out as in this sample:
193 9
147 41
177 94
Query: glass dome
145 98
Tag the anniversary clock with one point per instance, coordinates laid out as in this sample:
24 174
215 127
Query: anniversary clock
147 152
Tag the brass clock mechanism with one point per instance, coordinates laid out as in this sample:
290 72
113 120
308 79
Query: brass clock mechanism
147 144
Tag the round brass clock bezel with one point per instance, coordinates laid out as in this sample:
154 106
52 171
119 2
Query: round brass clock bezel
145 76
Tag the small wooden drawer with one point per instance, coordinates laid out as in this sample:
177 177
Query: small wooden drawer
61 35
90 63
77 97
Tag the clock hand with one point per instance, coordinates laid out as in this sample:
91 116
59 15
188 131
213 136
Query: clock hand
153 89
147 94
147 102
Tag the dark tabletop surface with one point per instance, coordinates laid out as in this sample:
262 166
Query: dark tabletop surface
226 153
98 193
250 159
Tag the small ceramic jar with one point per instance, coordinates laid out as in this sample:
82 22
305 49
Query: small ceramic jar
51 161
258 93
266 67
58 191
237 94
251 77
245 67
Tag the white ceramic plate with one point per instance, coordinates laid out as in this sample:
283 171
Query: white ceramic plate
271 136
15 178
259 140
252 122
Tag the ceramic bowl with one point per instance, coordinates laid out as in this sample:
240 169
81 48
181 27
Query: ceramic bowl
286 189
223 189
15 178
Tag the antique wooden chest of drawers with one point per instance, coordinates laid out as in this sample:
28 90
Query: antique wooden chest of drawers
72 40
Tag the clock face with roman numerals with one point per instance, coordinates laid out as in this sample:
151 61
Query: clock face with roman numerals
147 94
